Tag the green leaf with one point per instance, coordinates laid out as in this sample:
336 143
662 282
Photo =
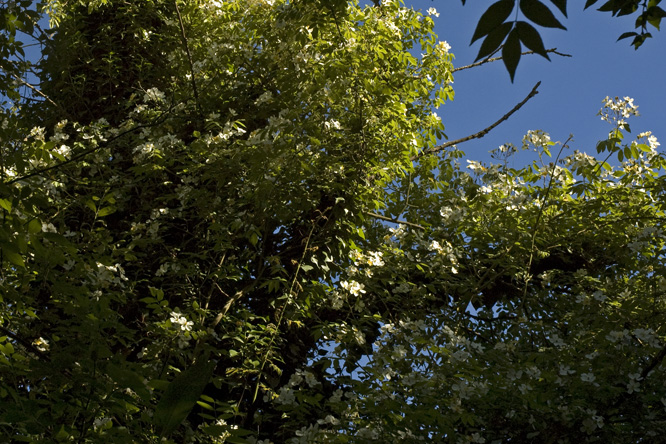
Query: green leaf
106 211
34 226
493 18
626 35
494 40
511 53
11 253
128 379
589 3
530 37
181 395
7 205
539 13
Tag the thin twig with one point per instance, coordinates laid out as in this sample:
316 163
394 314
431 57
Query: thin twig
189 57
395 221
494 59
481 133
542 207
38 92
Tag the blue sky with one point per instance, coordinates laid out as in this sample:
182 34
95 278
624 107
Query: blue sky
571 90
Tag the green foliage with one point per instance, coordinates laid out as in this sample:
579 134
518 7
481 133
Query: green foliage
231 222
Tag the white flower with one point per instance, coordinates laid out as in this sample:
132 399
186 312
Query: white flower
286 396
178 319
49 228
153 95
587 377
353 287
265 97
41 344
99 422
310 379
633 386
443 46
433 11
566 370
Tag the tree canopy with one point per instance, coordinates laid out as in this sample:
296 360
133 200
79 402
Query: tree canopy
238 222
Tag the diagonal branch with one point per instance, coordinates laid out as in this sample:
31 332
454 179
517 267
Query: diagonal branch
494 59
189 58
481 133
395 221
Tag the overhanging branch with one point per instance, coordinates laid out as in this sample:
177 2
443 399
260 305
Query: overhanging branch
494 59
395 221
481 133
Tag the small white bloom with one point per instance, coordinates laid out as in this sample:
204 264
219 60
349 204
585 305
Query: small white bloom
41 344
444 47
633 386
433 11
153 95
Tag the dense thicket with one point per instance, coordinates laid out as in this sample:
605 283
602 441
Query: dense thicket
232 221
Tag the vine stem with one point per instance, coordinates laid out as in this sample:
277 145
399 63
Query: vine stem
284 308
189 57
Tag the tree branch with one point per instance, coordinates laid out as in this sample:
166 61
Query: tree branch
189 58
23 342
494 59
481 133
395 221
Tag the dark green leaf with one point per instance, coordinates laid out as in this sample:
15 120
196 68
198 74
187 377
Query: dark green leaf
609 6
654 16
128 379
181 395
589 3
493 41
561 5
511 53
539 13
627 8
626 35
493 18
530 37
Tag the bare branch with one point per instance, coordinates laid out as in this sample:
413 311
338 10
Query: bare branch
38 92
481 133
494 59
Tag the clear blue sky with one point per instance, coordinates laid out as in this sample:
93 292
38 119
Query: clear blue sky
571 90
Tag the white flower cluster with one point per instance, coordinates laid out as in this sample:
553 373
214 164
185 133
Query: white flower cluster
616 111
181 321
650 139
353 287
287 394
538 138
153 95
